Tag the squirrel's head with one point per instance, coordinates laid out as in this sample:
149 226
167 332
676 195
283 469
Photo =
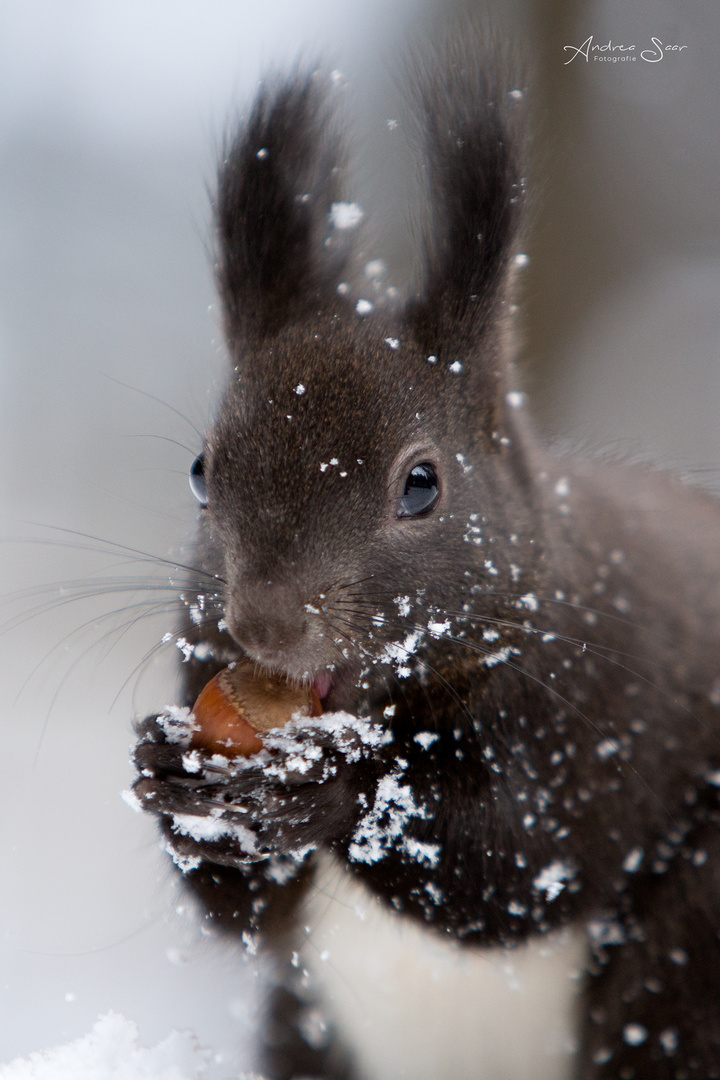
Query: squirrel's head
359 462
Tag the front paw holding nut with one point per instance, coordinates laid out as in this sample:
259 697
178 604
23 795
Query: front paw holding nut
299 792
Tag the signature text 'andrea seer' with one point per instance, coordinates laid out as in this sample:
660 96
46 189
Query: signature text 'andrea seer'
609 52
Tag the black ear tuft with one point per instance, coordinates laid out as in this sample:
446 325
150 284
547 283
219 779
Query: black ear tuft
475 190
276 185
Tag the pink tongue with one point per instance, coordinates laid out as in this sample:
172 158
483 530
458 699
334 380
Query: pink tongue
321 684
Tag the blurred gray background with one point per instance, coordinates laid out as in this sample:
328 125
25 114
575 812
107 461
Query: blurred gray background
110 119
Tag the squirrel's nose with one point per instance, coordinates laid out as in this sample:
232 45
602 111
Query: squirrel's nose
272 624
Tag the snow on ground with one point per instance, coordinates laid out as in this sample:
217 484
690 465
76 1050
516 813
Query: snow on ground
112 1051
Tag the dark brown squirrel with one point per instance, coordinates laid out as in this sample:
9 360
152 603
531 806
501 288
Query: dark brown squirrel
521 652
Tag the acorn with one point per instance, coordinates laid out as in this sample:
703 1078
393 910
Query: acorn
240 703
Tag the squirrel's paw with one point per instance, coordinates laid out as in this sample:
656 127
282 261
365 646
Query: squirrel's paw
301 791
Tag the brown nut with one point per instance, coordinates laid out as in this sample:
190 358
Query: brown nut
239 703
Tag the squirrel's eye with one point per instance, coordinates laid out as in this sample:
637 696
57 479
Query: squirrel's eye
197 480
422 491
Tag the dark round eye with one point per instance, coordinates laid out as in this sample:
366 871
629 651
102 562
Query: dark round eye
422 491
197 480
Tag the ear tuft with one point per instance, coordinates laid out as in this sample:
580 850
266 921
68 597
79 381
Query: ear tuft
276 184
475 190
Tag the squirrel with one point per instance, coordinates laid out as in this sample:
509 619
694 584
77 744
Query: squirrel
520 651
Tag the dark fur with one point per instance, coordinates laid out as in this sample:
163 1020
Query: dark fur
593 737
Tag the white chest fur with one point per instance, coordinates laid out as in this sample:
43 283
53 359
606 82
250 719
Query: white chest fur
415 1006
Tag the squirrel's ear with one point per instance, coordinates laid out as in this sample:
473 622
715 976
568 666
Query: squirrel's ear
277 259
475 193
